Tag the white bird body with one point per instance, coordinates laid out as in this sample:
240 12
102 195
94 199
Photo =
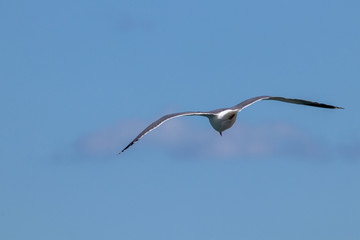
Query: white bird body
224 118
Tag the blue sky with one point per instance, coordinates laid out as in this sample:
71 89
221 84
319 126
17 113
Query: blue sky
79 80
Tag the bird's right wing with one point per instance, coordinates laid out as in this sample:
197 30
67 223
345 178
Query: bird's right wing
163 119
250 101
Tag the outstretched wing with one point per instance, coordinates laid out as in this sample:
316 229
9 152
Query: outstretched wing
163 119
250 101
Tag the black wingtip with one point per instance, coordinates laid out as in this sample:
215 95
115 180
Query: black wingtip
126 147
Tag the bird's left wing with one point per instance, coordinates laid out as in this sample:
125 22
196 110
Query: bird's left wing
163 119
250 101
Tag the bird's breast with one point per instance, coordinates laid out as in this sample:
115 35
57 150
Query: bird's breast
222 122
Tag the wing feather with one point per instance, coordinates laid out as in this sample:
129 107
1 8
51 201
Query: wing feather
163 119
250 101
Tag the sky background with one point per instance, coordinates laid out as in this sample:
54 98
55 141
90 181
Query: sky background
80 79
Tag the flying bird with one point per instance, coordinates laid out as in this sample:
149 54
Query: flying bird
223 118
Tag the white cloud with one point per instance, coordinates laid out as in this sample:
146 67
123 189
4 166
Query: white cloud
182 137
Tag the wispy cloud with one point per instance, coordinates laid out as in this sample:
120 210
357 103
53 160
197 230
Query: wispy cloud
243 140
129 23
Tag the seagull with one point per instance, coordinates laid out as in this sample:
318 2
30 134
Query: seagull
223 118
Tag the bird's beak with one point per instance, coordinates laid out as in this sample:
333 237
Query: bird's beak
220 133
